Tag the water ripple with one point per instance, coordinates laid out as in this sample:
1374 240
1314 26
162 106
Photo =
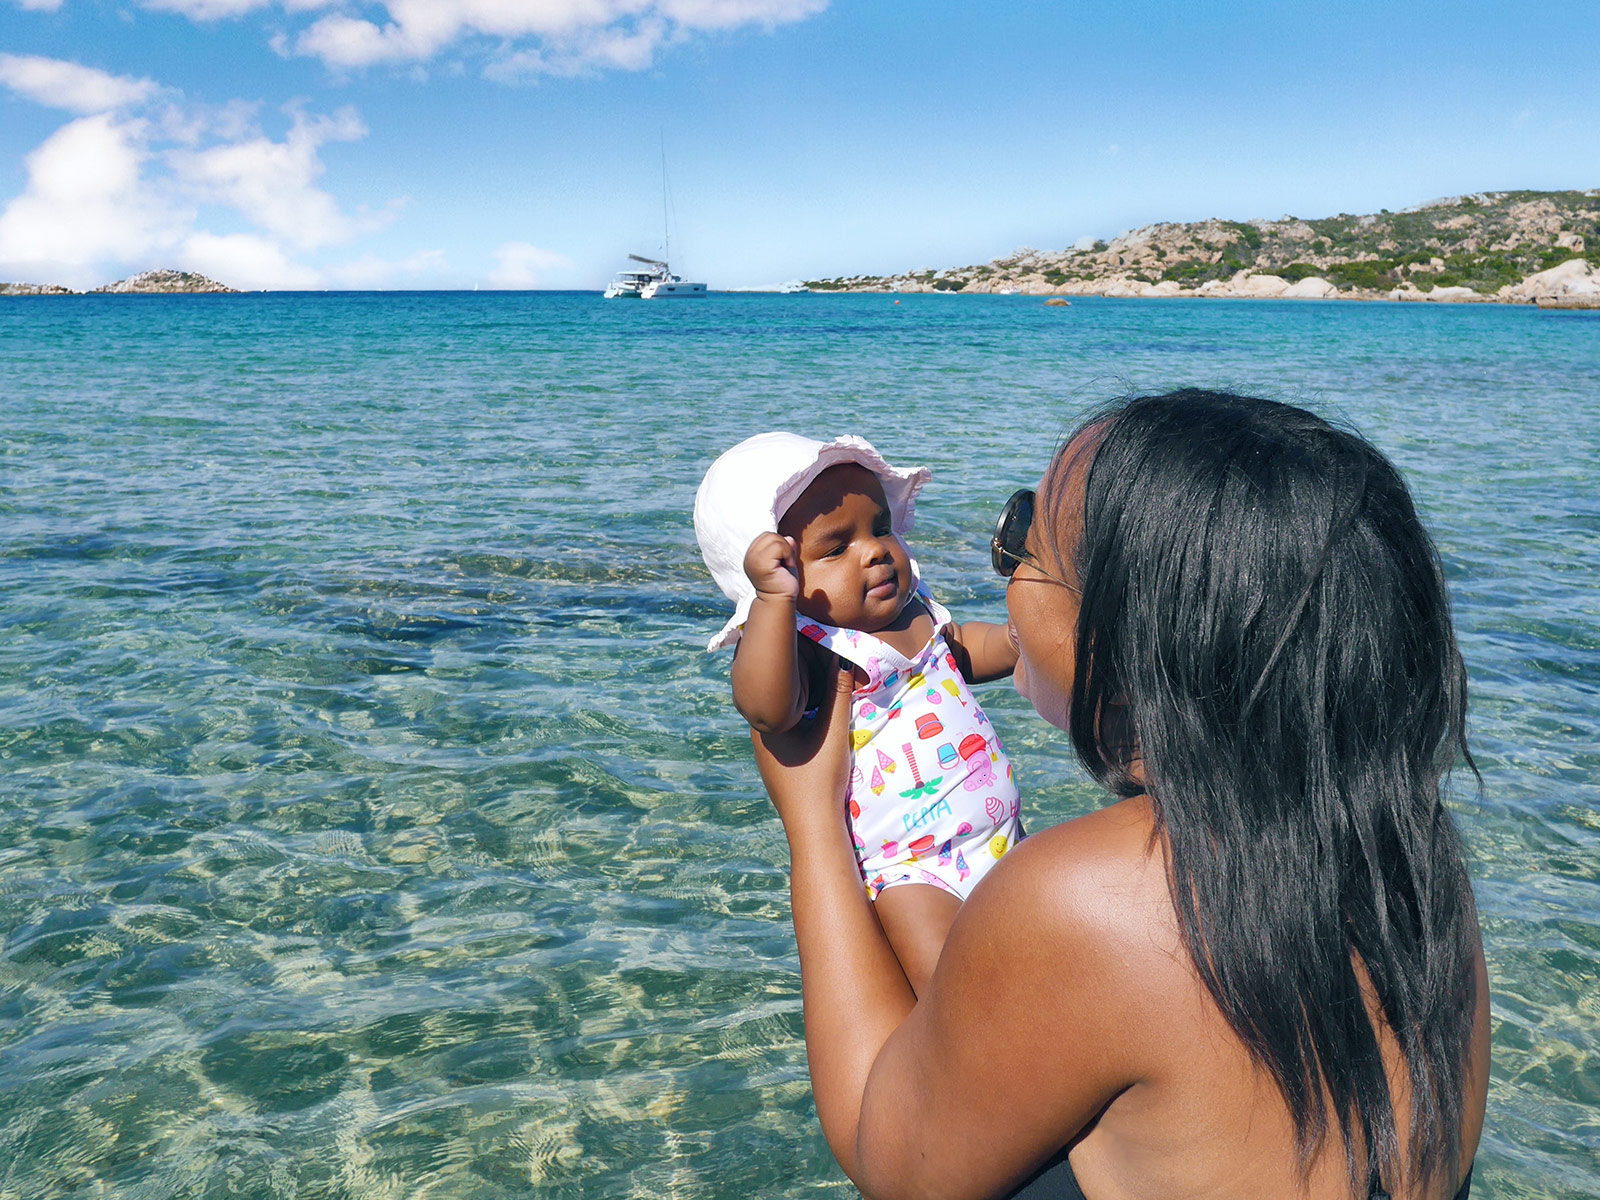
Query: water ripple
376 825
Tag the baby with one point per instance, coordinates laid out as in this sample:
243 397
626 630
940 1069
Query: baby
804 537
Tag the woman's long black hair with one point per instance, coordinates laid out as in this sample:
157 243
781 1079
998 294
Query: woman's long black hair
1262 606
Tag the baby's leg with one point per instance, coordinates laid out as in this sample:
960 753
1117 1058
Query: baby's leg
916 917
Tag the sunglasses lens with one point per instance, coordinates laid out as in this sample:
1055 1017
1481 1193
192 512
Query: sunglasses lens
1011 533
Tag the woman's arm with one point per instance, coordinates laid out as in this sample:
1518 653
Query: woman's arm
1011 1051
853 991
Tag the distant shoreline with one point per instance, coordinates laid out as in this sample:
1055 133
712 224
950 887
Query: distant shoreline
1553 302
1493 247
1574 303
1520 247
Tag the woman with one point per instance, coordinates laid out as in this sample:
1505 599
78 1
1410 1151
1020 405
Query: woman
1257 972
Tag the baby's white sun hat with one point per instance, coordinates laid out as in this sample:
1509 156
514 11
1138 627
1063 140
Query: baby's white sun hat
750 487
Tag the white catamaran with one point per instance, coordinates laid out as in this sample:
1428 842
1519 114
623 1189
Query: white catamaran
630 285
656 280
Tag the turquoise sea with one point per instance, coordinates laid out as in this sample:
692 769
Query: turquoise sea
374 824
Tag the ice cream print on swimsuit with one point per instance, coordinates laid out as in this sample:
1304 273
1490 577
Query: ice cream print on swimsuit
932 797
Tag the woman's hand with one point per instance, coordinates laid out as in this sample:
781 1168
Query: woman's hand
805 769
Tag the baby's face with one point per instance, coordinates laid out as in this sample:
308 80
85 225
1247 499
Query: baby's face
854 572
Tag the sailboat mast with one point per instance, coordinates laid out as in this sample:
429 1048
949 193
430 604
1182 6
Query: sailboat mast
666 228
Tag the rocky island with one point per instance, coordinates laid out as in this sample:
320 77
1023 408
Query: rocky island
144 283
35 289
1512 247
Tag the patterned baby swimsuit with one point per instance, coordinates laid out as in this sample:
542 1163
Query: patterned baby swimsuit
932 798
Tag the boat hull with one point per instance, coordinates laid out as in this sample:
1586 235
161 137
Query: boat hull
672 290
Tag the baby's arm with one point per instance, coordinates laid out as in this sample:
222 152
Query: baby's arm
769 685
982 649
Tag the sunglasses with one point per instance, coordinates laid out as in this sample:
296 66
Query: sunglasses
1009 546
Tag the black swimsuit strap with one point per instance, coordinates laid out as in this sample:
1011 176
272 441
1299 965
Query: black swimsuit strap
1375 1187
1056 1181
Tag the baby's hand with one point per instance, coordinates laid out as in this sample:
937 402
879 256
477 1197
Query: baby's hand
773 565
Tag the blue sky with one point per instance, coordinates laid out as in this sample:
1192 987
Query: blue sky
453 143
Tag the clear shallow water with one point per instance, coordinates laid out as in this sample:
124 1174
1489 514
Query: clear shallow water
373 824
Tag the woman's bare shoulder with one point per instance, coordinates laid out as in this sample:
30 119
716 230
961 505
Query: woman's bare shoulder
1099 871
1085 904
1081 916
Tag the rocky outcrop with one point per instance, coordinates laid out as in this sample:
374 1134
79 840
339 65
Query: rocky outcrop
166 282
144 283
1468 248
1439 295
1247 285
1311 288
35 289
1572 284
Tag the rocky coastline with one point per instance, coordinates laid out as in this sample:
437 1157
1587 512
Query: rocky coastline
146 283
1539 248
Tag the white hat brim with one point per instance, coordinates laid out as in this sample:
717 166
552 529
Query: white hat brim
747 491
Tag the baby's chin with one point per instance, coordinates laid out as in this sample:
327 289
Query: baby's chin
865 622
868 618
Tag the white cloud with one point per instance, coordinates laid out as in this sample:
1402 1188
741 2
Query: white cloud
520 265
87 200
621 49
245 261
39 5
567 36
273 184
370 273
216 10
730 14
341 41
56 83
107 195
206 10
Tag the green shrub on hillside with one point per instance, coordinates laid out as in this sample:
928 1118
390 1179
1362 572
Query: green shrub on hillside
1296 271
1248 234
1375 274
1192 273
1411 227
1555 256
